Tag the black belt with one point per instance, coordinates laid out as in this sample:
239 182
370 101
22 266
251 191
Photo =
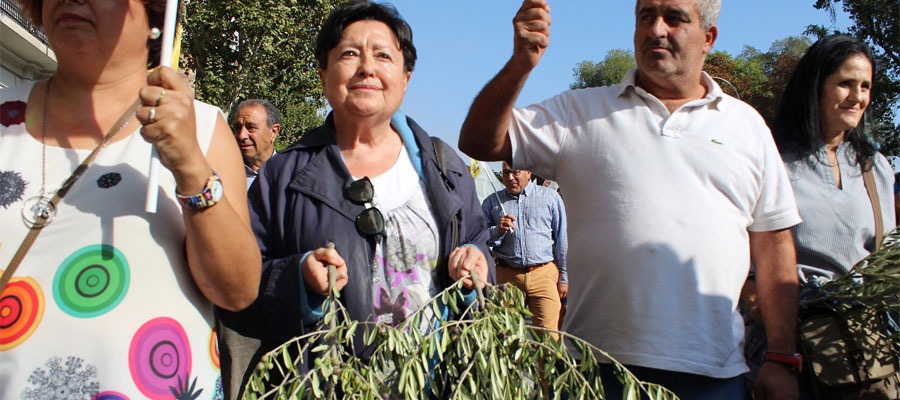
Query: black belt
527 268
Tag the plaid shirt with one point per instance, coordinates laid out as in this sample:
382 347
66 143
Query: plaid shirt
539 235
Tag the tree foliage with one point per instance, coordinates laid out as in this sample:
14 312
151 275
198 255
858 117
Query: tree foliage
489 353
758 77
880 271
258 49
604 73
878 23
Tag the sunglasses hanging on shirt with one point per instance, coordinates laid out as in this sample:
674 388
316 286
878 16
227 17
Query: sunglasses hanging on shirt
370 221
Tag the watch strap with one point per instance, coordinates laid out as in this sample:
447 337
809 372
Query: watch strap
794 361
208 196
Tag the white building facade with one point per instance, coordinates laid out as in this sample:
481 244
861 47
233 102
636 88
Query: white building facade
25 54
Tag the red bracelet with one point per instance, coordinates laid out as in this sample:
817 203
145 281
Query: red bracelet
794 361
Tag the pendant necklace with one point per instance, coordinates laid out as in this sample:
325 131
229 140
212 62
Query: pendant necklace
39 211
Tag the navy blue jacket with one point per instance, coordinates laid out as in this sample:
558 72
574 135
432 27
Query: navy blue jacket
298 204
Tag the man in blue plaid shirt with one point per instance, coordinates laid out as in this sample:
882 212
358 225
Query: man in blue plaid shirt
528 240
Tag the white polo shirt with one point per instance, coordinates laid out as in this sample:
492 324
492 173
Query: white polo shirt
660 207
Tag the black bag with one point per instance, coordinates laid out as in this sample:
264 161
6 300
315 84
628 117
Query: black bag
847 353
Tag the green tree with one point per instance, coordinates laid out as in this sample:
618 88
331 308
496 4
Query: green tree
738 77
608 72
758 77
878 23
258 49
755 77
779 64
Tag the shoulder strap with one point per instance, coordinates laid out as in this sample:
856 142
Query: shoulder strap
41 221
440 153
872 190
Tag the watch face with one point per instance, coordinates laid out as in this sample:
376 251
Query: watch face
211 194
217 190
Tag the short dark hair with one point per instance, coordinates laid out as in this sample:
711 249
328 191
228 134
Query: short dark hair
798 124
156 13
272 115
364 10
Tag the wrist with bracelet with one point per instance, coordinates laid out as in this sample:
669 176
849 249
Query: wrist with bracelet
793 361
210 195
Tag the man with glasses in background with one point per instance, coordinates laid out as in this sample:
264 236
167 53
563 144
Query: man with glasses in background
528 239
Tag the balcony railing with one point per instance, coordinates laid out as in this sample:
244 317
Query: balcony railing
11 9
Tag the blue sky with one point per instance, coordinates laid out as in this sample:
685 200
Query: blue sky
463 43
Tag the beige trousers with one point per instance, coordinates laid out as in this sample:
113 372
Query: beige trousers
541 293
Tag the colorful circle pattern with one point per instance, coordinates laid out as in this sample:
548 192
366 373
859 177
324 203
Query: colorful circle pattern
21 310
109 396
91 281
159 355
214 348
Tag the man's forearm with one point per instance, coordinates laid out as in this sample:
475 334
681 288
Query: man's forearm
484 132
777 287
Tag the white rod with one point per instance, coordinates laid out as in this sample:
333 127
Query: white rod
488 170
165 60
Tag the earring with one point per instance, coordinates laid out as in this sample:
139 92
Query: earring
155 33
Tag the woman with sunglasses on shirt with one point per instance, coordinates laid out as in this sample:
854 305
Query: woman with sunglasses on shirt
367 180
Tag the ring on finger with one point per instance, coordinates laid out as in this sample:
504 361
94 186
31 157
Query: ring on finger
161 94
152 116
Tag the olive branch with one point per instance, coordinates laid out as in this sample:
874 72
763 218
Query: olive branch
488 352
873 283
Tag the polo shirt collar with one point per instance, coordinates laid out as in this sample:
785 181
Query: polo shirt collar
714 93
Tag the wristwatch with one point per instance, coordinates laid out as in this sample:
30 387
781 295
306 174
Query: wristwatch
794 361
210 195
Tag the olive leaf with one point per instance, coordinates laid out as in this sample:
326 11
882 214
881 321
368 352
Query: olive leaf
489 351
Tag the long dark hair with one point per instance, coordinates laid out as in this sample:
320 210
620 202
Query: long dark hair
797 125
360 10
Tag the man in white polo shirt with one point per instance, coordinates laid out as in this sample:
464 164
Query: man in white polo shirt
673 187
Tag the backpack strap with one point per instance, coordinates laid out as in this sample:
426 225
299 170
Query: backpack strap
441 155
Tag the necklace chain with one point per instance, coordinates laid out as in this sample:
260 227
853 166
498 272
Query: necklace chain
44 140
38 211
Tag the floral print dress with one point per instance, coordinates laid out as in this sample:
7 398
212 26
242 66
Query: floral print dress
404 275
